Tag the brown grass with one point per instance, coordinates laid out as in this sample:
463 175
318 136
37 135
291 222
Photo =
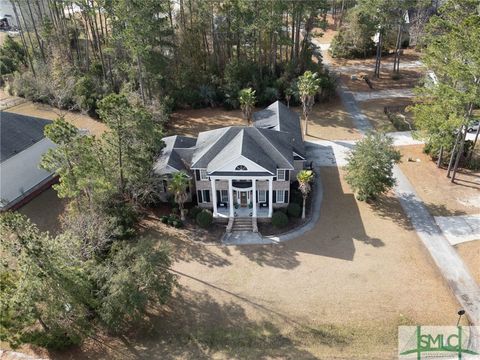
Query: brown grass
470 253
331 121
44 111
340 291
374 111
440 196
191 122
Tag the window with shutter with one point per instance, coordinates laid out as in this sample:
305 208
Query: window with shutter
199 196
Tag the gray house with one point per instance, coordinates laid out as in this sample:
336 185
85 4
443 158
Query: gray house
239 171
22 145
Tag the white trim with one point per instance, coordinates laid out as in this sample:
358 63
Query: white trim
262 199
214 198
203 196
240 160
283 196
224 198
300 156
278 177
203 178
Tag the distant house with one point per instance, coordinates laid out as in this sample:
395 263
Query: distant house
239 171
22 144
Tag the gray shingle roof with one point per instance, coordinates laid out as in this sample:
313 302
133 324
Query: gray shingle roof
18 132
278 117
177 152
269 149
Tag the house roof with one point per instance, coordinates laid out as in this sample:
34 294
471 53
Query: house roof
18 132
278 117
176 154
269 149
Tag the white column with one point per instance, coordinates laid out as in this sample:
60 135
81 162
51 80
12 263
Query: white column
270 197
230 197
214 196
254 196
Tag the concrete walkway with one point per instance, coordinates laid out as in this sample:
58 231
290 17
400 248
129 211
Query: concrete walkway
461 281
459 229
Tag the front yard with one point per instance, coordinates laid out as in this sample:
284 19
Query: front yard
339 291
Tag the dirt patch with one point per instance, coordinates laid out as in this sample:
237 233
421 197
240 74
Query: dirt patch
330 121
44 111
408 79
441 197
409 55
374 111
191 122
325 36
470 253
45 211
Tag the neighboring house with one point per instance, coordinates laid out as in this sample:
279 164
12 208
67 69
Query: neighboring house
239 171
22 144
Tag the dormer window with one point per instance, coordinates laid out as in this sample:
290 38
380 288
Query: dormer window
241 168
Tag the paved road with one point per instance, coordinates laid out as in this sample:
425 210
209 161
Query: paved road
461 281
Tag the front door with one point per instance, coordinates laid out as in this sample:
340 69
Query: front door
243 198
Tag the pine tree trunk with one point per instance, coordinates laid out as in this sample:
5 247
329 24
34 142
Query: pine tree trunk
459 155
378 59
454 150
40 45
440 157
22 36
396 60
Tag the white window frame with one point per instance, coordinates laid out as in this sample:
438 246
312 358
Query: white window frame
262 196
280 178
224 196
283 196
203 174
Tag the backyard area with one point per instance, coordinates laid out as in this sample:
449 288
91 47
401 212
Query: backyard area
44 111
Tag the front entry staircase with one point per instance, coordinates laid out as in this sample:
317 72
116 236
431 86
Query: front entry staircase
242 228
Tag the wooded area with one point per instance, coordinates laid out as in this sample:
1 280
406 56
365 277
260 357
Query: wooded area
190 53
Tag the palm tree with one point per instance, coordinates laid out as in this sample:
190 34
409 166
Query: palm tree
308 85
177 186
289 92
247 102
305 177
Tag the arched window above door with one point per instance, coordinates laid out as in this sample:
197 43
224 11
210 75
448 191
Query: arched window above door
241 168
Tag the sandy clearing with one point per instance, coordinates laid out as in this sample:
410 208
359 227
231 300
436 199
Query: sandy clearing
44 111
441 197
470 253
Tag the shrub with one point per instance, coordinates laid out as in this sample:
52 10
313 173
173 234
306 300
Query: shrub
193 212
178 223
164 219
279 219
294 210
204 218
369 170
295 194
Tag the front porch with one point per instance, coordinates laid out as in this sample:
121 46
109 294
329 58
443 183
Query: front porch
224 212
242 198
